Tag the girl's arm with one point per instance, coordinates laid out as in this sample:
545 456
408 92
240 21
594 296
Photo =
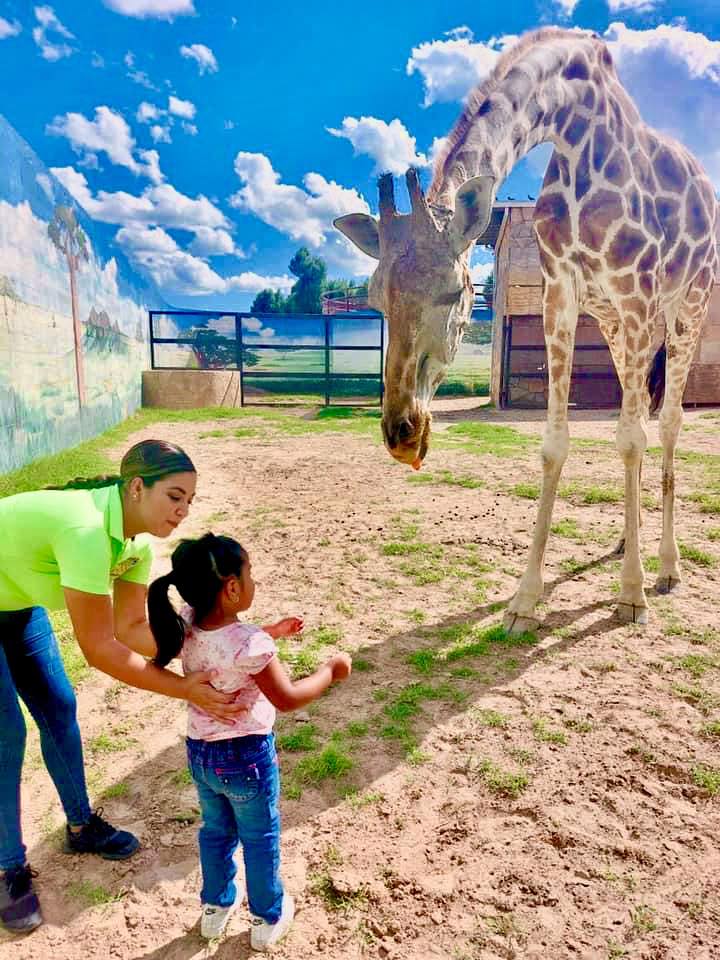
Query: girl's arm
92 619
130 624
286 694
285 628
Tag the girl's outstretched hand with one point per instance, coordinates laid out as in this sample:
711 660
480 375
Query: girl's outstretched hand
341 666
200 692
286 628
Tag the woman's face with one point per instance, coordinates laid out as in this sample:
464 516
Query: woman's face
164 505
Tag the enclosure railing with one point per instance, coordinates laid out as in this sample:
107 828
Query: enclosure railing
228 340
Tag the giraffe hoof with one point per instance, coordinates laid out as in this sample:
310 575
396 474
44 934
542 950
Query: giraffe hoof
515 623
632 613
666 584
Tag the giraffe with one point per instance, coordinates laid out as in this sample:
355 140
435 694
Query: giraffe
625 223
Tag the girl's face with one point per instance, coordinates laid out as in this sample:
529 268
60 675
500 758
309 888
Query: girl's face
163 506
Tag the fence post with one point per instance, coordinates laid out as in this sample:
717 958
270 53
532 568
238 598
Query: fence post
240 356
152 340
327 360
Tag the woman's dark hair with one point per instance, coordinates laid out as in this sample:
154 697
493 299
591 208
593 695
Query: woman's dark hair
199 569
151 460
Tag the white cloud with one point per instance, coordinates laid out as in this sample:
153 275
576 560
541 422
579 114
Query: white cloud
673 74
567 6
107 133
181 108
160 134
158 9
147 112
160 205
8 29
229 124
451 68
189 128
213 242
389 145
155 252
97 61
137 76
639 6
202 55
479 272
48 23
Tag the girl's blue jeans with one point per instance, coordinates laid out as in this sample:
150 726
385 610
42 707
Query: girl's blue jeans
31 667
238 786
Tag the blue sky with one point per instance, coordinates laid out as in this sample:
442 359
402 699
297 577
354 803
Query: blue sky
212 138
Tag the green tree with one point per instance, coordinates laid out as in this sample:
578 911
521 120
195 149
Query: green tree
269 301
69 238
311 273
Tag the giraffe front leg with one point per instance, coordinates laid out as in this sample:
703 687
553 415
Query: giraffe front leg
669 575
560 320
520 615
631 442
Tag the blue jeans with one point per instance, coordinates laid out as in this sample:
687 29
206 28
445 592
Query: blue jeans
31 666
238 786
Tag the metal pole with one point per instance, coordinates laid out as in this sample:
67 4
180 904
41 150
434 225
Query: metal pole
240 356
152 341
327 360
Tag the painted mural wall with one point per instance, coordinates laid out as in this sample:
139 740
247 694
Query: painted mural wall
73 316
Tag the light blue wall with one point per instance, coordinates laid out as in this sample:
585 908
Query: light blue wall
40 409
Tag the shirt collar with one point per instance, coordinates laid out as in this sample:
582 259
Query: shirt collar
109 500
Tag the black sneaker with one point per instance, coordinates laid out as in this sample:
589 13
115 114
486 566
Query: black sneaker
19 905
98 836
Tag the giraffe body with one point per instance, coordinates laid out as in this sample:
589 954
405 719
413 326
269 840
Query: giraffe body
626 226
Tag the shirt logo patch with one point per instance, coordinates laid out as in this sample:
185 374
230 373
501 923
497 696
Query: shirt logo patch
122 567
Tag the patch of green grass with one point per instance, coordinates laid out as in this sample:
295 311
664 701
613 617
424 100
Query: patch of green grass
713 533
491 718
331 763
92 894
181 778
709 502
422 573
711 729
245 432
708 778
590 494
113 742
361 665
651 564
407 549
529 491
424 661
416 757
568 528
322 886
547 735
503 782
417 616
578 726
697 664
572 566
483 439
359 800
615 950
697 695
643 919
356 729
205 434
303 738
116 790
694 555
470 483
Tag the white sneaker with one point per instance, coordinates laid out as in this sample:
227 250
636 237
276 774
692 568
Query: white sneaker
264 935
214 920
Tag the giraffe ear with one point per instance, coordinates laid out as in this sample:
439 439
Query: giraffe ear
362 230
473 206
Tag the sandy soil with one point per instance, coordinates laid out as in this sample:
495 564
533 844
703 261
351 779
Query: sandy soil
609 847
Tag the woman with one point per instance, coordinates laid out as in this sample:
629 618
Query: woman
75 547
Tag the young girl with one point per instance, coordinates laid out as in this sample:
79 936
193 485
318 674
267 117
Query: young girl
234 768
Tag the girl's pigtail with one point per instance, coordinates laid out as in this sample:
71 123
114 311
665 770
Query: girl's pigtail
167 626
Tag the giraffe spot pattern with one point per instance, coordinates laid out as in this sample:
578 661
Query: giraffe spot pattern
583 179
617 169
602 209
602 146
669 171
577 69
696 219
552 222
675 267
576 130
625 247
624 284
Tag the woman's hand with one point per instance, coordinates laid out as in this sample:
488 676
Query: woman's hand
200 692
340 666
286 628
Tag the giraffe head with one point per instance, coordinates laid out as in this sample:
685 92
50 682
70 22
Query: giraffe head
422 285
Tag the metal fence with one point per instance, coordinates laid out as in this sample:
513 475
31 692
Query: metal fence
327 357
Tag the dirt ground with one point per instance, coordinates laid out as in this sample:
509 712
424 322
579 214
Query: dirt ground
548 800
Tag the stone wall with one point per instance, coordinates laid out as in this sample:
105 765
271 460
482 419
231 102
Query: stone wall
189 389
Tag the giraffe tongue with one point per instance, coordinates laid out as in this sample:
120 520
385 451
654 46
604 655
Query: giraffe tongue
416 464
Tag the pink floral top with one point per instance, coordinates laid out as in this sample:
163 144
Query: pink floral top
237 652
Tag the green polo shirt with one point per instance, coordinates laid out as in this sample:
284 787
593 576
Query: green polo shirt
50 539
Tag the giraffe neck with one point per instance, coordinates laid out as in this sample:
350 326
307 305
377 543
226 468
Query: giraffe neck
552 92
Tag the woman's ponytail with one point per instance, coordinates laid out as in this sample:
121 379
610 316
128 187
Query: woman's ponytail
89 483
167 626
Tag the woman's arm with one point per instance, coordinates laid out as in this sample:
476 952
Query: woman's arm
286 694
92 619
130 624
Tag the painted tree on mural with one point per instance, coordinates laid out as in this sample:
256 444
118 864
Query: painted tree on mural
69 238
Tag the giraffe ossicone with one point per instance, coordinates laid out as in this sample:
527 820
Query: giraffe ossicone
626 225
